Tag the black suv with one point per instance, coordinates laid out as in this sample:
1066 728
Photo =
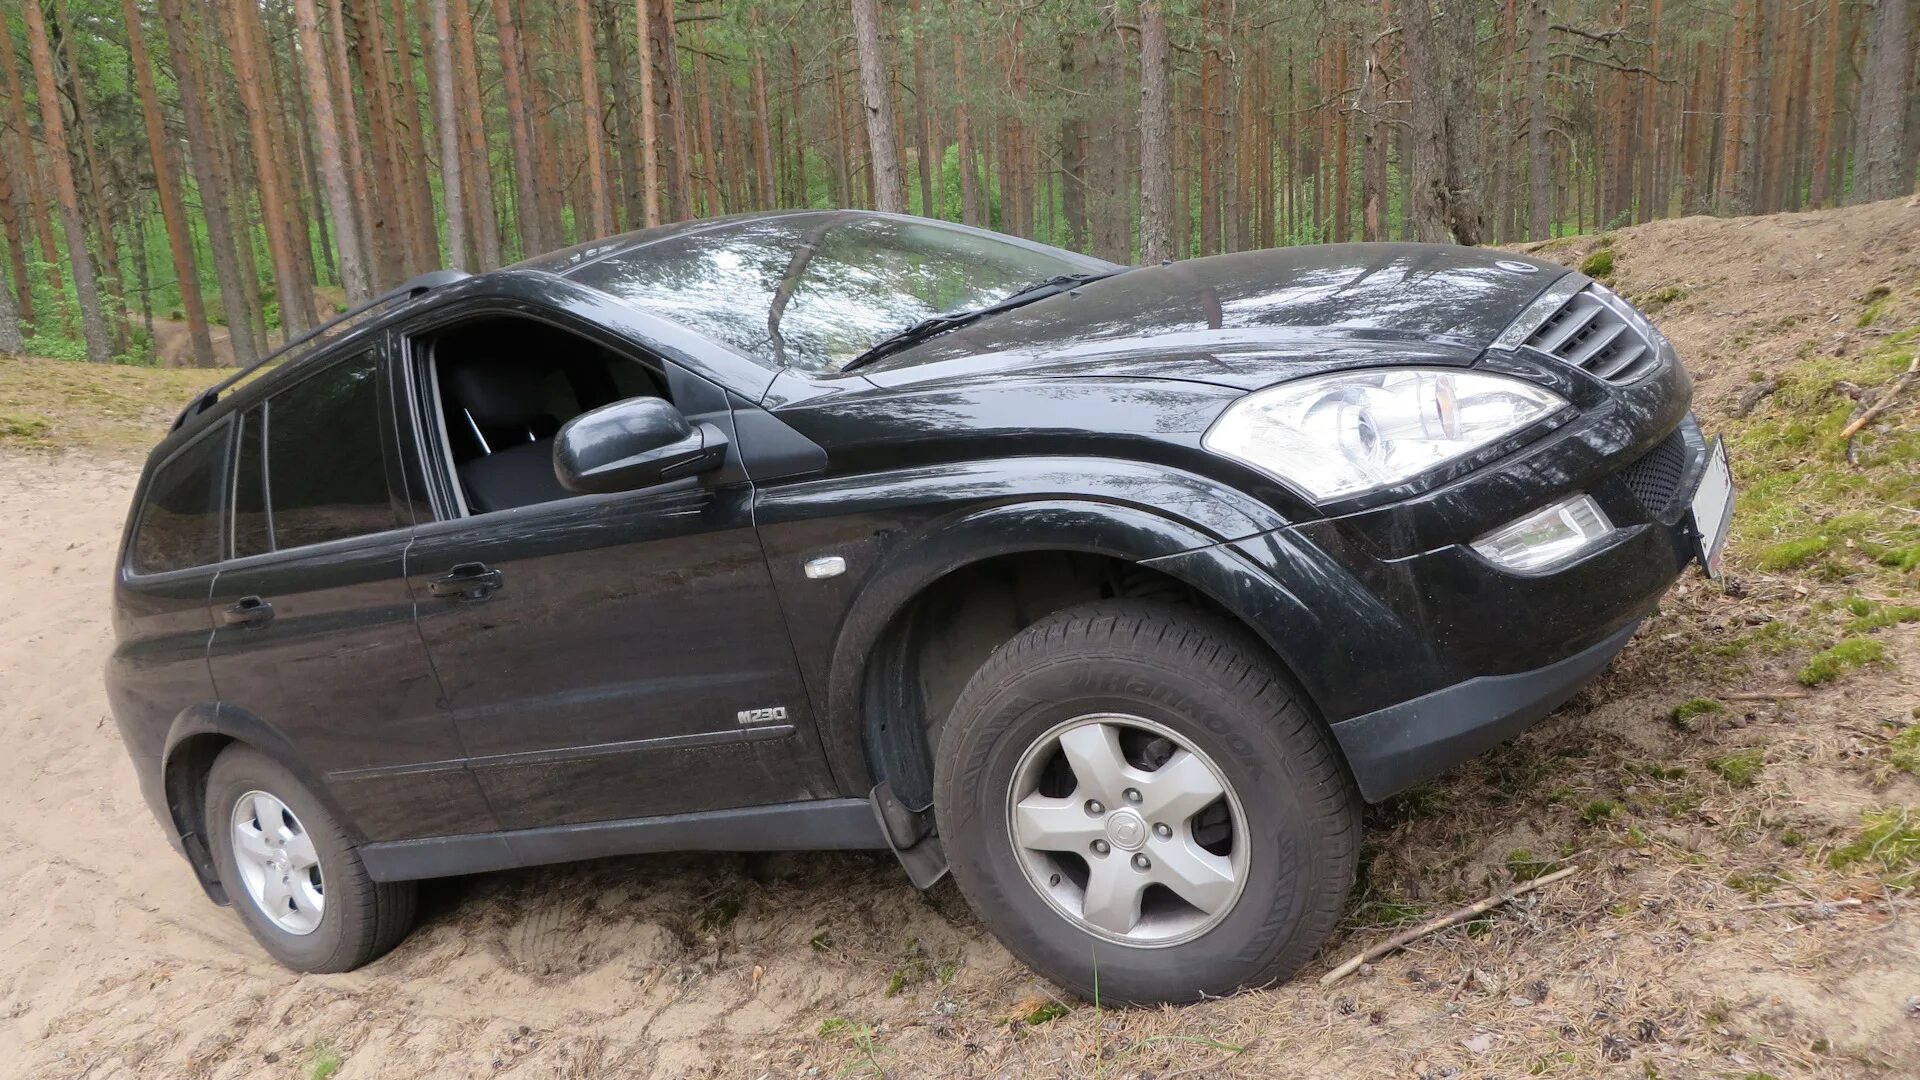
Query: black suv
1117 591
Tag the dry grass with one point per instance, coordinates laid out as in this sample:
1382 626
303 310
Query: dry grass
114 410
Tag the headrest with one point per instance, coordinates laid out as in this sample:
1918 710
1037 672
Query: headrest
501 391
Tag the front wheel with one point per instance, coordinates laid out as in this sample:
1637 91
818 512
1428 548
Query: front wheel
1138 801
291 871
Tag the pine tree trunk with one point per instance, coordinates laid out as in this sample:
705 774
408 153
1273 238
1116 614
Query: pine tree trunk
353 269
1733 198
475 170
93 323
923 113
269 164
649 115
598 202
347 119
963 137
36 196
114 296
387 224
626 115
703 138
876 110
672 98
762 138
1442 208
453 189
1883 105
172 211
203 151
11 343
526 184
21 304
412 141
1539 150
1156 135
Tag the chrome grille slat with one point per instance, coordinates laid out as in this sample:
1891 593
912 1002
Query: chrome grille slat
1591 331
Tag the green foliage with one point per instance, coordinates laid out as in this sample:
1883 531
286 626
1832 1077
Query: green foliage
1051 1011
1905 749
1524 865
1598 265
1889 843
1869 616
325 1060
1598 811
1740 769
1841 658
1685 714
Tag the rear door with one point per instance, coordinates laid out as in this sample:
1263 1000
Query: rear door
618 656
313 621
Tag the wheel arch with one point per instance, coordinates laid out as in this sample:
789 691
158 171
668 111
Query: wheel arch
197 737
1007 568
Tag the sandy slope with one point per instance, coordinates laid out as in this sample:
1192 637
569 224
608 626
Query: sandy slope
113 964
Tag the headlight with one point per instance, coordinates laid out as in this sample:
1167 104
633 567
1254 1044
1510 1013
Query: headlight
1356 431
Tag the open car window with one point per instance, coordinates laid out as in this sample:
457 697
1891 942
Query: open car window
500 389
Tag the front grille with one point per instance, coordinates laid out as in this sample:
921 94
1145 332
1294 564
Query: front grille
1591 334
1655 479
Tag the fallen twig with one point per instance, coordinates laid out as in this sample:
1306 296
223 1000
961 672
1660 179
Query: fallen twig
1768 695
1400 940
1785 905
1892 391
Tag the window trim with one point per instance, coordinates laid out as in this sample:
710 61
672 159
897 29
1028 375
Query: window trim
316 366
223 428
434 447
231 552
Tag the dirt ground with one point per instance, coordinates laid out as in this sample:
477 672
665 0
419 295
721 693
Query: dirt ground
1687 943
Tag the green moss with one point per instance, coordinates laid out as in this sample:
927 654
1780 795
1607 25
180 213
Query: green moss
1524 865
1599 264
1741 769
1848 655
1755 885
1686 714
1889 843
1793 554
1598 811
23 426
1906 750
327 1060
1869 616
1653 302
1051 1011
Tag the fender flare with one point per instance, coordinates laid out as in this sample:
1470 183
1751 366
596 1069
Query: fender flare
236 724
1116 530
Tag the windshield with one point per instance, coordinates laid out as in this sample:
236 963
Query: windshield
814 291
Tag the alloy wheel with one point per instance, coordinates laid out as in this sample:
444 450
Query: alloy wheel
1128 830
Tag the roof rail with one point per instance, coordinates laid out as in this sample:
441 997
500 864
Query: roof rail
414 287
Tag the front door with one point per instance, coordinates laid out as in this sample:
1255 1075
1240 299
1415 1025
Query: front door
605 656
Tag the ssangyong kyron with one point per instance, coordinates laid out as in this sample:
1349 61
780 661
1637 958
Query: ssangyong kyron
1116 592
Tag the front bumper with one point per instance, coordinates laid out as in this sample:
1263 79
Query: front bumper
1394 748
1421 655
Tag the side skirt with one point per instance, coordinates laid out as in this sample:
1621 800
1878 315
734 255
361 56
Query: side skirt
819 825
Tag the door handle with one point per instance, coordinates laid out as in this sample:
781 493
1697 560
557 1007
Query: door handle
467 581
248 611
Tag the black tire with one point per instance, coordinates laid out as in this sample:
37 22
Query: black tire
1206 680
360 920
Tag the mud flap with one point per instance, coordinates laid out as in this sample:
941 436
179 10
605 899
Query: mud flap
911 835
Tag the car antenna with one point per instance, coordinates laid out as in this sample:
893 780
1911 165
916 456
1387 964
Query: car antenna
413 287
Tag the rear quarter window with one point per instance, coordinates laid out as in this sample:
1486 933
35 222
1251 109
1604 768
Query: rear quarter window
326 468
179 523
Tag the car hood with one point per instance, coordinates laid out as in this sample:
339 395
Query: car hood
1245 320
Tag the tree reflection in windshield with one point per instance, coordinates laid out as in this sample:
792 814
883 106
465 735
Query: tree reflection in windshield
855 279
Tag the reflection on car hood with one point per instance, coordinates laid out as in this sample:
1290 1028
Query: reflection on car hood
1247 320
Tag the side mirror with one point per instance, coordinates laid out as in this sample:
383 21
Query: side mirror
632 444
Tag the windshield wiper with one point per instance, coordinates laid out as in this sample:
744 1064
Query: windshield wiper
935 325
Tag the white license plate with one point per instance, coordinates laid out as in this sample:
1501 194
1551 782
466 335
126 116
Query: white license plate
1712 509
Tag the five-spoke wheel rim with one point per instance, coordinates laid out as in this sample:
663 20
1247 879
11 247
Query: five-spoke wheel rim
278 863
1128 830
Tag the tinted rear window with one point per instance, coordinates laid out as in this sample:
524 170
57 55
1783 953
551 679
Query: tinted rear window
326 471
180 522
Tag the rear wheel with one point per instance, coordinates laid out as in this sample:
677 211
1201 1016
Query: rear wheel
292 872
1137 800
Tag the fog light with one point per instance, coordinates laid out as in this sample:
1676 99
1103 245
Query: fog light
1547 536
